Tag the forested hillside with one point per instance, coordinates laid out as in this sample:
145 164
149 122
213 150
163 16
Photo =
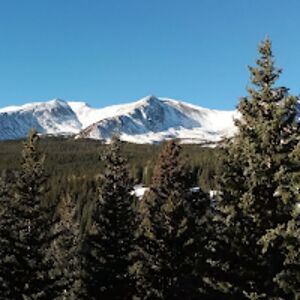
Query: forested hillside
79 159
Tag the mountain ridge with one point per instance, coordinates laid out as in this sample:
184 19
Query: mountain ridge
50 117
148 120
152 120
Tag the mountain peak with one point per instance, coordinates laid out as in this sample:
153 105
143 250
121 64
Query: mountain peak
152 120
51 117
148 120
150 99
58 101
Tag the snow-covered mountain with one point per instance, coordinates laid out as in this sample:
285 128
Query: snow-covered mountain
54 117
148 120
152 120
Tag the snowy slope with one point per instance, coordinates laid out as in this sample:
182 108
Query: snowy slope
152 120
53 117
88 115
149 120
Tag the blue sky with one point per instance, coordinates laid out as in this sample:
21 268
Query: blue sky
115 51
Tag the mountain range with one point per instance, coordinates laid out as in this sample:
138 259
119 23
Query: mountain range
149 120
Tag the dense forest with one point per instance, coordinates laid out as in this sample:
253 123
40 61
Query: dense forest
71 228
79 160
68 157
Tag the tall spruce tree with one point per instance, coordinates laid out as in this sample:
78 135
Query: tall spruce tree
256 217
66 250
286 236
6 222
110 240
172 233
28 224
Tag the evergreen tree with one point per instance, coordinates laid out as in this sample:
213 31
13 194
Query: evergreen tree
259 193
171 233
66 249
6 222
286 236
110 240
28 224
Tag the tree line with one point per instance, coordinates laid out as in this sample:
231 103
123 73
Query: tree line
176 242
69 160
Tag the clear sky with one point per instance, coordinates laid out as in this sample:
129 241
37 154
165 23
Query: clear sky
114 51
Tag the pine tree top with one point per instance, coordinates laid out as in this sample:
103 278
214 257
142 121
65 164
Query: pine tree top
265 74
